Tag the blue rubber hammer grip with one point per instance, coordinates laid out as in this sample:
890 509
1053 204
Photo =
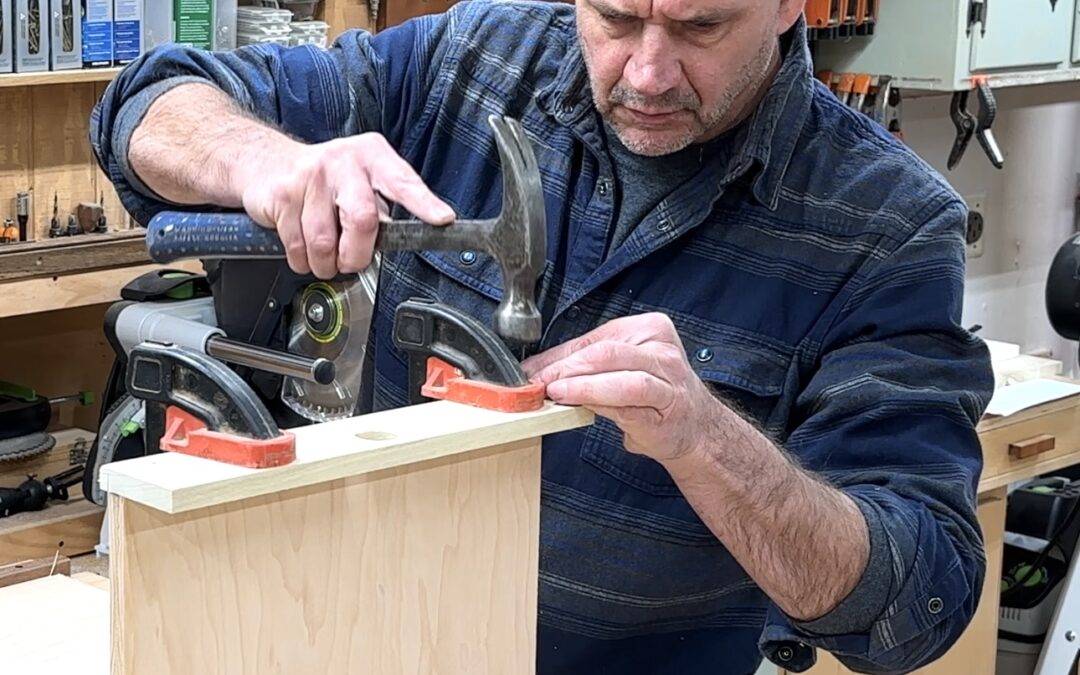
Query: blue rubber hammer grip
177 235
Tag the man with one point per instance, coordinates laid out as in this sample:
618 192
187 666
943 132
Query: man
756 288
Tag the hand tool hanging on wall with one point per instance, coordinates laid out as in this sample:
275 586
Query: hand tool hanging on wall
979 126
9 234
22 213
55 229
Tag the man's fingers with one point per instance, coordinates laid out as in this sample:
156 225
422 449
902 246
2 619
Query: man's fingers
601 357
292 239
320 226
622 389
393 178
635 330
359 217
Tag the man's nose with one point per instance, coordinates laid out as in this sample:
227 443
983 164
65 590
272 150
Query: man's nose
654 67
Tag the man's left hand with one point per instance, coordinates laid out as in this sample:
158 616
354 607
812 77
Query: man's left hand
634 371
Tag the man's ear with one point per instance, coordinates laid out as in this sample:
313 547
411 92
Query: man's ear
789 13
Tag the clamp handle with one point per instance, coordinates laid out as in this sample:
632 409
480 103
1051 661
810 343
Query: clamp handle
440 340
985 120
196 405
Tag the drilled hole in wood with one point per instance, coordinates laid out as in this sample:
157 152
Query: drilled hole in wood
376 435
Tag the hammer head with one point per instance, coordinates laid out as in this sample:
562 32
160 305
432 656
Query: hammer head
519 237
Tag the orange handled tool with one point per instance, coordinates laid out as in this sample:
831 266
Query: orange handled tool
817 13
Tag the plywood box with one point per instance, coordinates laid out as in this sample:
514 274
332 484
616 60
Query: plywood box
404 541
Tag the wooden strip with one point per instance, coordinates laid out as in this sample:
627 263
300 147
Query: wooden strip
1032 446
175 483
28 570
95 580
30 296
71 527
70 445
81 254
58 77
426 568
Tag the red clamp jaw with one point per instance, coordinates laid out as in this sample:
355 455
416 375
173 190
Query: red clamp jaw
187 434
448 383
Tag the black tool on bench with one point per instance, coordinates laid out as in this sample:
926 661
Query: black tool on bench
34 494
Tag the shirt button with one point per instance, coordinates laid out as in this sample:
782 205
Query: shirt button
704 355
603 187
664 225
467 257
935 605
567 108
785 653
573 313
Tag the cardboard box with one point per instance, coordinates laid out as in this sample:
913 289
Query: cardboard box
127 31
97 33
7 36
66 34
194 21
31 36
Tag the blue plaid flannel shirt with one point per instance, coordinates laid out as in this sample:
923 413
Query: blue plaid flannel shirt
814 269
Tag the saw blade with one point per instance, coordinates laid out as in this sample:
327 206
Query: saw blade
330 321
25 447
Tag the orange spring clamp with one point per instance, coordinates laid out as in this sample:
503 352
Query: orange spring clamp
448 383
187 434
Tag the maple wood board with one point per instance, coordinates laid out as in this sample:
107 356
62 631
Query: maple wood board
175 483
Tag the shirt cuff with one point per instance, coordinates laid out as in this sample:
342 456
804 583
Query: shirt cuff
790 644
129 118
866 603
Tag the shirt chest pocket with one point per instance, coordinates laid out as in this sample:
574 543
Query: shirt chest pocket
748 381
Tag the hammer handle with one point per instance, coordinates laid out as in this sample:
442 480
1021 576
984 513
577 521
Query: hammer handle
178 235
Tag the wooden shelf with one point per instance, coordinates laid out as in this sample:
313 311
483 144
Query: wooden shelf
58 77
70 255
45 294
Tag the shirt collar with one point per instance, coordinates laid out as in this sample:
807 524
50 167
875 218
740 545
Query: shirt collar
762 145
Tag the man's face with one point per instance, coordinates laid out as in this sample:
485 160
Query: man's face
668 73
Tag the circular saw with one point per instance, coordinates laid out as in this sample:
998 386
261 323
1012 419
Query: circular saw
330 320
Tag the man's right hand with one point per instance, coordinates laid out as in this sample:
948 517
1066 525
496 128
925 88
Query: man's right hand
325 200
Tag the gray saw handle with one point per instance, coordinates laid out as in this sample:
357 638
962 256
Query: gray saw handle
178 235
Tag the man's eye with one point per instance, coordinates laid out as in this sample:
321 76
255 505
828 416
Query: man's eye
703 26
619 19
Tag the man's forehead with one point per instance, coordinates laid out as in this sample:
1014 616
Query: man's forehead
680 10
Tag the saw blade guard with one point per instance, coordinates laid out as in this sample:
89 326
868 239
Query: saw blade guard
330 320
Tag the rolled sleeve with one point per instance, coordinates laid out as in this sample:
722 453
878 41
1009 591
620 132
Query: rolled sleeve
889 418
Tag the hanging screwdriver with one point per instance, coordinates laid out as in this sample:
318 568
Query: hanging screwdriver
54 226
22 213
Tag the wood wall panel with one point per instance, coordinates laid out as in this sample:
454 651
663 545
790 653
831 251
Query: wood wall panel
15 147
63 164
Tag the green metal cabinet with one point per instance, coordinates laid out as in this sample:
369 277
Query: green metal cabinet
1022 34
940 44
1076 34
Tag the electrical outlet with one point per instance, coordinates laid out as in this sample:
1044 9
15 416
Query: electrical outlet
975 225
